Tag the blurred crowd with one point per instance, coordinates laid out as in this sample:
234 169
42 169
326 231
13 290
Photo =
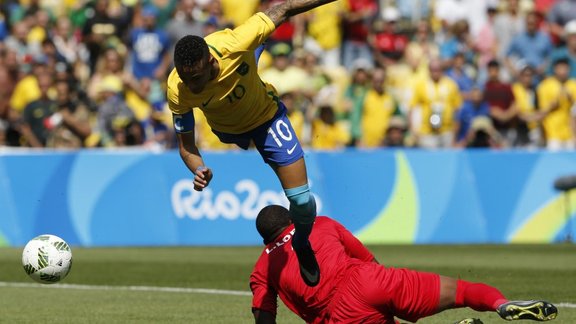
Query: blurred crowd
353 73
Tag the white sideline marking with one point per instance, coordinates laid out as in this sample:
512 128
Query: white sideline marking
160 289
128 288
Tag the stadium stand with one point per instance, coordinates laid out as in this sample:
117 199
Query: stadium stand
107 63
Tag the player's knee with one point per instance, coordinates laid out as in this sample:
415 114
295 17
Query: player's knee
302 204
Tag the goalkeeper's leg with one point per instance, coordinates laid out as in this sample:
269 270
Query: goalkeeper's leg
482 297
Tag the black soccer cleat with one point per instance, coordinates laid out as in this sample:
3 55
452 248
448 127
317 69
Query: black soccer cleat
309 269
537 310
470 321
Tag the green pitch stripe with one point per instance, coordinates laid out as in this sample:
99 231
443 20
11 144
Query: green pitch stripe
129 288
545 223
397 221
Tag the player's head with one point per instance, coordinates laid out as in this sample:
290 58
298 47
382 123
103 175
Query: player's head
271 221
193 62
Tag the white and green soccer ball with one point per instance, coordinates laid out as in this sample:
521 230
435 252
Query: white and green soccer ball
47 259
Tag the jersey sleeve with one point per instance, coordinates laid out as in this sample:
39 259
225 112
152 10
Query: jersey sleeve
264 297
176 103
353 246
246 37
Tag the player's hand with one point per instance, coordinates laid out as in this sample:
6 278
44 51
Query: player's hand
202 178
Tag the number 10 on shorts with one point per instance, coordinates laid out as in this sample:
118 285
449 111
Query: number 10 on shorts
282 130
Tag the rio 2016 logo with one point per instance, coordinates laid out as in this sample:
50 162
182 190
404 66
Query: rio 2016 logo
244 202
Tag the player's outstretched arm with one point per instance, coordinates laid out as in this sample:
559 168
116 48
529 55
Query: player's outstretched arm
191 156
281 12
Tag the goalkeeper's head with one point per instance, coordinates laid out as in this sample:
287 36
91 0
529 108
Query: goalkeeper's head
271 222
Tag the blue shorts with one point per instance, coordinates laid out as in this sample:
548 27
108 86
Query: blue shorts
275 140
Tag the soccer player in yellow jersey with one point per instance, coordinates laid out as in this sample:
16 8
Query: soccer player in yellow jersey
218 74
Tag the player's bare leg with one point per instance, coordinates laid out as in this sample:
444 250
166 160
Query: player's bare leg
481 297
294 180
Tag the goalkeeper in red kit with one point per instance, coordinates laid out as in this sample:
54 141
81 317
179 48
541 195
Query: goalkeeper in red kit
355 288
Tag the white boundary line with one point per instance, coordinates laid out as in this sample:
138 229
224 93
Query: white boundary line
160 289
128 288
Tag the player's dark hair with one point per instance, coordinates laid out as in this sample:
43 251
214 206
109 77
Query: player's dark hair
189 50
271 220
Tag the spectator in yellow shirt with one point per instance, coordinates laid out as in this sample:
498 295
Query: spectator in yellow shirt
324 33
556 95
529 132
239 11
38 31
354 99
402 77
327 134
27 89
436 101
33 129
285 76
378 107
295 115
110 63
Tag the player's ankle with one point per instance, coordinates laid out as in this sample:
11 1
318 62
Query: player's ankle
499 303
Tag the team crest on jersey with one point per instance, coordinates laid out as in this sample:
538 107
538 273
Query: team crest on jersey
243 69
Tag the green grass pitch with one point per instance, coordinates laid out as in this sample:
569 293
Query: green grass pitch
519 271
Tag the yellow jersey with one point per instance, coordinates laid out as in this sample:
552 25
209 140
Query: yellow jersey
205 138
557 123
376 113
26 91
524 99
329 137
296 118
239 11
400 81
443 97
237 100
141 107
324 24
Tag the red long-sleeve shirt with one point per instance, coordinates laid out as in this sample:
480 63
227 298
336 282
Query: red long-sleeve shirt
277 273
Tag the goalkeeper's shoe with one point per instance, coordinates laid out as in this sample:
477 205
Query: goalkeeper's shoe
537 310
470 321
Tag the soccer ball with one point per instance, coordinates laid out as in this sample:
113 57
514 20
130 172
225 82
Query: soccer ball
47 259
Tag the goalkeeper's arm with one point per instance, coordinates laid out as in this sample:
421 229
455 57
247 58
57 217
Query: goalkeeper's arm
263 317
